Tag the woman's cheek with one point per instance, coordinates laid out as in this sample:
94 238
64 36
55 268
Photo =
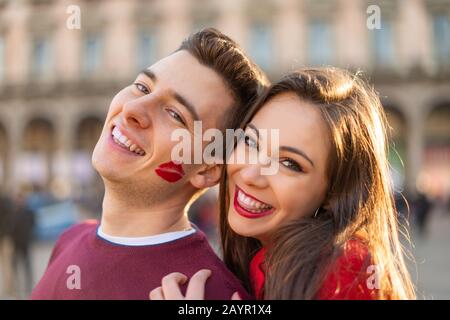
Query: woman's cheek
231 170
293 204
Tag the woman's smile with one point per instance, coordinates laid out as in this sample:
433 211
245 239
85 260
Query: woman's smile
249 206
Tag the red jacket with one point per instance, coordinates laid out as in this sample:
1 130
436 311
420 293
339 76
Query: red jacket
347 279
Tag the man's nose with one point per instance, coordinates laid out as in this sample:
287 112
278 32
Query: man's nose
136 113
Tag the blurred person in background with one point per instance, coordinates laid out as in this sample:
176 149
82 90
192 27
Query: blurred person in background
6 246
37 196
22 224
422 207
203 213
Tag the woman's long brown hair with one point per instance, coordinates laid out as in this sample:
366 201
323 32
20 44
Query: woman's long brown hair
359 199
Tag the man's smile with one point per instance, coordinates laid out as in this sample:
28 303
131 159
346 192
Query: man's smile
124 142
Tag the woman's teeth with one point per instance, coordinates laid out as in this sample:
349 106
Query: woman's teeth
252 204
126 143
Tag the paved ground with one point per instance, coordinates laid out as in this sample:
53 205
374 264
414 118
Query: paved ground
431 271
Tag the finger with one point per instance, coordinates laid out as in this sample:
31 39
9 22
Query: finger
236 296
156 294
171 286
196 287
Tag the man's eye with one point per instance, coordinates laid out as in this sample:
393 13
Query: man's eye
176 116
249 141
142 88
292 165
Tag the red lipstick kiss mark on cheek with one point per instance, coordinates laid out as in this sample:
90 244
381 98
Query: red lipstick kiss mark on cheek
170 171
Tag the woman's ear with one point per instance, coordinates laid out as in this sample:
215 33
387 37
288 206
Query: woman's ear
326 204
207 176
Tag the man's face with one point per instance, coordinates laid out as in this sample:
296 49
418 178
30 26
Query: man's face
136 137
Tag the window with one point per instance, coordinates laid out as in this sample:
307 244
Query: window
41 58
146 49
319 43
92 54
441 32
383 45
261 45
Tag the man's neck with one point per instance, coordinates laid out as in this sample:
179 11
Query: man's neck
127 218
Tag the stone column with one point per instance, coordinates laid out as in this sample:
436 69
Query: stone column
18 46
14 127
414 34
290 36
175 25
120 37
352 36
67 44
62 156
231 20
415 146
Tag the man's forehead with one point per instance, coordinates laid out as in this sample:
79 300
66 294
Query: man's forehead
181 66
175 60
182 73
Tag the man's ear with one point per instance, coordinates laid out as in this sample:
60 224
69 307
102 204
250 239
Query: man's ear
207 176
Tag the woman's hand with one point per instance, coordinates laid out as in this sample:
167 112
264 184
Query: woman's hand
170 287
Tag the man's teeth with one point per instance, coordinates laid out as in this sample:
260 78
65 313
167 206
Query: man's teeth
123 141
251 204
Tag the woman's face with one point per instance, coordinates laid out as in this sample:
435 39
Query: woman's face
260 204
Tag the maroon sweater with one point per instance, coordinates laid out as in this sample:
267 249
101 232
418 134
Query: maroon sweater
85 266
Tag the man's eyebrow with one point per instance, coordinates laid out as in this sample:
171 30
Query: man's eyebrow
182 100
189 106
297 151
149 74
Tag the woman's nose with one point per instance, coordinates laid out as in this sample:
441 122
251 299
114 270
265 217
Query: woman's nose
251 175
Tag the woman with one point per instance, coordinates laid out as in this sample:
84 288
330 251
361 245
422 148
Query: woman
324 226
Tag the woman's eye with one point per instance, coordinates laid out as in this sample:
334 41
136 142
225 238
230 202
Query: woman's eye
249 141
292 165
176 116
142 88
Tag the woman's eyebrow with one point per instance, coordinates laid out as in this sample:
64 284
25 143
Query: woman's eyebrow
252 126
297 151
285 148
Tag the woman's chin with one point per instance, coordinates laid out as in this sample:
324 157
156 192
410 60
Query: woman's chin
242 226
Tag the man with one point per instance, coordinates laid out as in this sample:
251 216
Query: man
6 246
144 232
22 236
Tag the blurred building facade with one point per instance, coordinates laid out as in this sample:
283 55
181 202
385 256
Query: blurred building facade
56 83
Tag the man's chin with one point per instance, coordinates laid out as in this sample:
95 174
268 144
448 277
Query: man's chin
104 168
107 172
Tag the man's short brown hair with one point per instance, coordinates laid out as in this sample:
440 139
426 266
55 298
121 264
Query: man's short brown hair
244 78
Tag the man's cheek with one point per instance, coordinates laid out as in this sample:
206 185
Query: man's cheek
118 101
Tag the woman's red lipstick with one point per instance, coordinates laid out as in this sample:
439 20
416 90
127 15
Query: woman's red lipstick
170 171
